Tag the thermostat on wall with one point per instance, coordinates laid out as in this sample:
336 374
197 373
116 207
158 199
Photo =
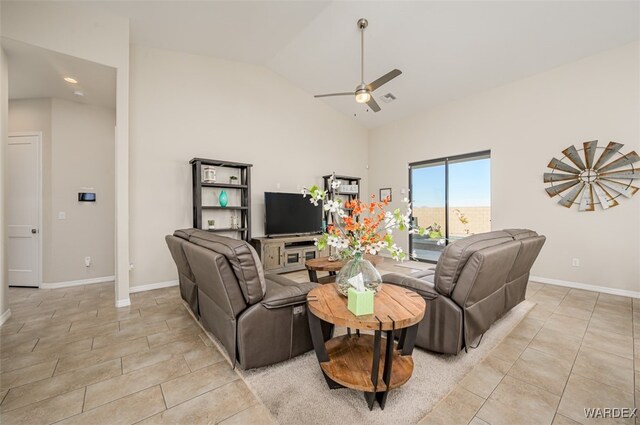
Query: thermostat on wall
86 197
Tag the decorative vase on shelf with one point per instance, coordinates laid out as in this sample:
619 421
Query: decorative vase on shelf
358 264
223 199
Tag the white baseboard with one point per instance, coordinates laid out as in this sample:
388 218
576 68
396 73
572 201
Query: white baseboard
586 286
5 316
123 303
77 282
152 286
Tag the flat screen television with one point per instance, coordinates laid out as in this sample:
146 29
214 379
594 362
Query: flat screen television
291 214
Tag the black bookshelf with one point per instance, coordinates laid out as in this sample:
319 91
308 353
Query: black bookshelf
244 186
349 180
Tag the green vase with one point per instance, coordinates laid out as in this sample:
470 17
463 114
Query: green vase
223 199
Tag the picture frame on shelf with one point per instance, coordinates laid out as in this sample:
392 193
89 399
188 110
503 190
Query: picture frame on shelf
386 192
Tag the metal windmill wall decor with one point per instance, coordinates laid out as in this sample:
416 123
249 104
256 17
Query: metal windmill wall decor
592 181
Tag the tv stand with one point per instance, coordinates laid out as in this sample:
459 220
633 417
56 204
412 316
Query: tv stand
285 254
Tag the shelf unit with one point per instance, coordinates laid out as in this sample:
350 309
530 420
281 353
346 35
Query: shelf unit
243 188
349 180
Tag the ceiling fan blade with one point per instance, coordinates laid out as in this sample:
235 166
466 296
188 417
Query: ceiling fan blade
384 79
335 94
373 105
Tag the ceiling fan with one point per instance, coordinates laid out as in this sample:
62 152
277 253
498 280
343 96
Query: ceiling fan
363 91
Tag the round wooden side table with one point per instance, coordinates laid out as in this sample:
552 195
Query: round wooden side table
323 264
353 360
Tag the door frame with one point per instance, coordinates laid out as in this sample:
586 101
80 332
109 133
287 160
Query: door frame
39 179
445 160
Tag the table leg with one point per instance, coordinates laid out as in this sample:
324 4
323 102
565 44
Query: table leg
408 339
375 367
388 365
313 276
317 337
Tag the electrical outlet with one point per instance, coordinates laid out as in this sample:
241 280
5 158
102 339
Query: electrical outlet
62 215
575 262
87 261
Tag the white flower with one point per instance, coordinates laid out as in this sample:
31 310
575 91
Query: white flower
405 200
335 184
332 206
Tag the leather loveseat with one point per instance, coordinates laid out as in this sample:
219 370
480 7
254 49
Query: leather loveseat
259 319
476 281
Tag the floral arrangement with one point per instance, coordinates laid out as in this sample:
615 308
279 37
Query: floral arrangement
367 230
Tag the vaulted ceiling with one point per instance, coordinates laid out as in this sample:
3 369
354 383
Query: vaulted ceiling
35 72
446 49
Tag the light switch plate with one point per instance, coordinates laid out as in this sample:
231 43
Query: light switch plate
62 215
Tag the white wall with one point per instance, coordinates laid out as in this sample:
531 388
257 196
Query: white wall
185 106
82 160
4 106
77 152
78 30
525 124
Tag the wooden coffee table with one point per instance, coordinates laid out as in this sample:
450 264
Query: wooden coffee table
323 264
353 360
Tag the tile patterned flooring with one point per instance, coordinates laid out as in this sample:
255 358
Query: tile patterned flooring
69 356
575 349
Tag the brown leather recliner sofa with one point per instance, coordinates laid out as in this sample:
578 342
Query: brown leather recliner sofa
260 319
476 281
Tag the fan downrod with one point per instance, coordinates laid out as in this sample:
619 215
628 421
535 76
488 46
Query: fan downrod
362 23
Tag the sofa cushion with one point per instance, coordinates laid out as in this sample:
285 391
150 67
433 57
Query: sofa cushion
519 234
243 259
427 275
455 256
283 292
184 233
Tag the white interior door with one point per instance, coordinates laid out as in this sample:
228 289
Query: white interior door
23 209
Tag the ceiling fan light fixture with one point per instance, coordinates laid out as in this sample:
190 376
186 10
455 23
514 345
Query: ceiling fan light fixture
363 90
363 96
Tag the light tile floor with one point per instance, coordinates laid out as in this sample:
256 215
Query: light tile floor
575 350
68 356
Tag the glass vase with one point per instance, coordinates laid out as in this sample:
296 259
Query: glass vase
358 264
223 199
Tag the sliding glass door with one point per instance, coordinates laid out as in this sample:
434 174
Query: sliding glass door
451 197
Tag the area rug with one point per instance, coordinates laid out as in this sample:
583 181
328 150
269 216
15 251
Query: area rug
295 391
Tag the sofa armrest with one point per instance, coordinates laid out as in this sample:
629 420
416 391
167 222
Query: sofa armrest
283 292
422 287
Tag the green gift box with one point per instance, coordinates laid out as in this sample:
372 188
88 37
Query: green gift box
360 303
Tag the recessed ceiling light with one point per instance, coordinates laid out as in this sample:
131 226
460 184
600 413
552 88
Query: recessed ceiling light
78 93
71 80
